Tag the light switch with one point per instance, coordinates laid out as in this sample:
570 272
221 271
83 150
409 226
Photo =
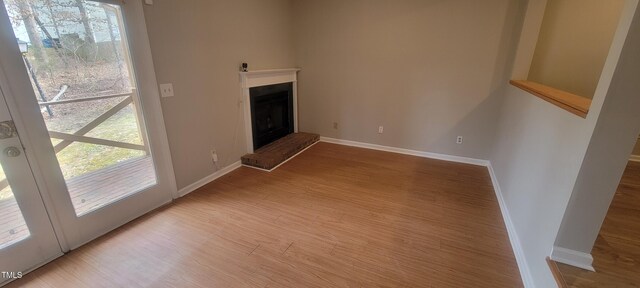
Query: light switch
148 2
166 90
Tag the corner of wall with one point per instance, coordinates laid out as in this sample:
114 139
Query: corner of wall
572 257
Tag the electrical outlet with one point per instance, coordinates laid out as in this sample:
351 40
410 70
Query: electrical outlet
335 125
459 140
380 130
214 155
166 90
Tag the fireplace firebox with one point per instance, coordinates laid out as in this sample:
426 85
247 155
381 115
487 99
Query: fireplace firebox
271 113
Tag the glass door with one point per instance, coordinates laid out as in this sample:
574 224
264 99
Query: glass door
27 238
90 85
81 74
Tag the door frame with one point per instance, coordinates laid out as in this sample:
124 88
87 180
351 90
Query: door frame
29 121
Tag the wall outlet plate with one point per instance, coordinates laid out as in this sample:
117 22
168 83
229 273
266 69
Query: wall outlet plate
214 155
459 140
380 129
166 90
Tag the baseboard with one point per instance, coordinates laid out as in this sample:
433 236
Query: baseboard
572 257
634 158
525 272
445 157
206 180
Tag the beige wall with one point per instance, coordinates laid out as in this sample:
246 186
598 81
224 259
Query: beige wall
198 45
574 43
365 64
536 158
538 155
427 71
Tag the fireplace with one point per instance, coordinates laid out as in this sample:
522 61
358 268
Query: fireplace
271 113
263 87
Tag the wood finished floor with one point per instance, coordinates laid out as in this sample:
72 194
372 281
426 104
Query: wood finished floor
334 216
616 254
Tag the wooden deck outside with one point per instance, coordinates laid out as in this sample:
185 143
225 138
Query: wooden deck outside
88 192
98 188
12 225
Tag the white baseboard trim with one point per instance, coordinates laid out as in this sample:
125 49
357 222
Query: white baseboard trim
525 272
634 158
206 180
445 157
573 258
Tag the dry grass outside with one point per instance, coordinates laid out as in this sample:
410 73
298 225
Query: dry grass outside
81 158
6 192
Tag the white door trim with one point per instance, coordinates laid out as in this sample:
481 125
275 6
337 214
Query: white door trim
146 78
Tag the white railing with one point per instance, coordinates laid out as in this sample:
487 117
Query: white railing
79 136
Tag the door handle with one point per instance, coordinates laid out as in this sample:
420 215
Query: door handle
12 151
8 130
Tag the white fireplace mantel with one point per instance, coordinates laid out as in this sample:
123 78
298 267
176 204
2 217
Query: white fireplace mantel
262 78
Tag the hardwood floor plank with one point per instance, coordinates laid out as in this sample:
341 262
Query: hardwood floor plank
334 216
